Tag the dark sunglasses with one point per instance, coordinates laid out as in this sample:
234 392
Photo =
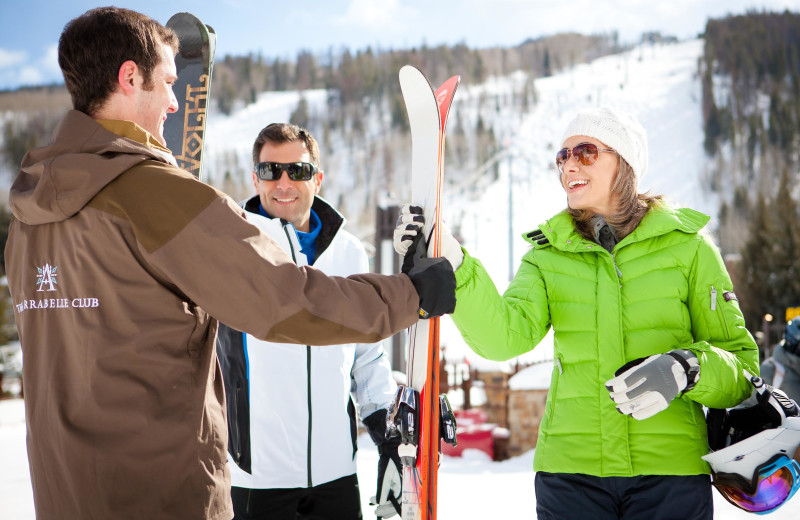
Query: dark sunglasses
584 153
298 171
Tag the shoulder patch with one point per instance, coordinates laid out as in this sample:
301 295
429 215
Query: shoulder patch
730 296
538 237
146 196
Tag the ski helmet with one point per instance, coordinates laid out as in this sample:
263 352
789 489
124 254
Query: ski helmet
752 447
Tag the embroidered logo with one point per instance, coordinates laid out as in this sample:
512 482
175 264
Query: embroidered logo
46 278
47 281
730 296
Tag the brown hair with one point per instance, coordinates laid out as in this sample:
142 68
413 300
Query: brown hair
632 207
277 133
94 46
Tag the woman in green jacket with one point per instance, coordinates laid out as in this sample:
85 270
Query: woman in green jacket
647 331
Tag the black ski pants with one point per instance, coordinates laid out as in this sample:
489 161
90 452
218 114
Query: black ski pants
335 500
568 496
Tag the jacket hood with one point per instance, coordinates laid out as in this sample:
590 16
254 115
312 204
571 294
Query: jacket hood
56 181
661 219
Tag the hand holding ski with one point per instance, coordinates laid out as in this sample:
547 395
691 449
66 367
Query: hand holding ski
410 224
433 279
419 414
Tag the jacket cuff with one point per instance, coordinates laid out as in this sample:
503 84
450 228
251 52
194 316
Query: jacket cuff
466 271
376 426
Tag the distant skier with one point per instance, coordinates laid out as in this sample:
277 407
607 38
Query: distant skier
119 264
782 369
291 421
643 312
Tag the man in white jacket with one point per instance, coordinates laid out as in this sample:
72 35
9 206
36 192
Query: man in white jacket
291 418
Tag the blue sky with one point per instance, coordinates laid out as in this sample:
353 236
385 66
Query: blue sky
29 29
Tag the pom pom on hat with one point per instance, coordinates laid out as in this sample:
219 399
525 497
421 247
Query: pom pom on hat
619 130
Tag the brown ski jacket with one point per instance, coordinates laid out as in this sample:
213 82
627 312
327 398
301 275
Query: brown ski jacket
119 265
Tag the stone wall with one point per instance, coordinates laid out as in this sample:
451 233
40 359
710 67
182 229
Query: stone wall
525 412
495 384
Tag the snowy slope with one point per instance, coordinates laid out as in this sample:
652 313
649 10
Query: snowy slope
658 83
233 136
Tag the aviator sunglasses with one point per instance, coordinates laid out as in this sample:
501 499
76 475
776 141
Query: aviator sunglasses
584 153
298 171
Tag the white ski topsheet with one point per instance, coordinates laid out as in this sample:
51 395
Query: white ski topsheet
423 117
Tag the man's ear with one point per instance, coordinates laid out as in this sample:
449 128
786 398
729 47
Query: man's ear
126 78
318 182
255 180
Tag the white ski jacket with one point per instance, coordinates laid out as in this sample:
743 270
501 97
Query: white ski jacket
291 419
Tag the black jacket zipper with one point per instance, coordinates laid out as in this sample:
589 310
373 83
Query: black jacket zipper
285 224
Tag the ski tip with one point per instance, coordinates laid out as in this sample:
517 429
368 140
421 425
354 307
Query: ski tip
184 19
444 98
212 42
179 16
411 73
410 69
450 85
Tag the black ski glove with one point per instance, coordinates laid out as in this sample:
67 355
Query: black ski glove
433 279
390 469
390 480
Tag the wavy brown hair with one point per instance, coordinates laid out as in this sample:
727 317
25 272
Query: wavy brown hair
632 206
94 46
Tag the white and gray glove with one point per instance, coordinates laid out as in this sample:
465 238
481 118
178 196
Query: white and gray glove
410 224
646 386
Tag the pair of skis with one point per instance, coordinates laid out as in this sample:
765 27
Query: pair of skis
419 414
185 130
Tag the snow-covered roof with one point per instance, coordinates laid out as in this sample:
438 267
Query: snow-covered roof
535 377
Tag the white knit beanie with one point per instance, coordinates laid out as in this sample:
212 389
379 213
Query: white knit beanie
619 130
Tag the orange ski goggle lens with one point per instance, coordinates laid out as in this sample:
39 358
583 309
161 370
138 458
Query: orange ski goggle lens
774 483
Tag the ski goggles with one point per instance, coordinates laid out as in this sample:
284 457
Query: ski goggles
298 171
584 153
772 485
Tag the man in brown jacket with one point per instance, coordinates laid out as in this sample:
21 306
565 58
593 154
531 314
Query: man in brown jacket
119 265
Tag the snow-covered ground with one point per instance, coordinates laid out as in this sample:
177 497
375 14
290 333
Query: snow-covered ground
657 83
470 487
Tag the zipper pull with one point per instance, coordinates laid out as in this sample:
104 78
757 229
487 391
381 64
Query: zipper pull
560 368
616 267
713 298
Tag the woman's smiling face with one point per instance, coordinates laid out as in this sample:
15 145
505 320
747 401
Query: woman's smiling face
589 187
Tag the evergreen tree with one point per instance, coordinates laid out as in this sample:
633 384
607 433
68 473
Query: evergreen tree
300 115
547 69
757 269
21 134
787 255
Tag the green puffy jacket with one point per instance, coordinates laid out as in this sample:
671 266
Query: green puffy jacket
664 287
